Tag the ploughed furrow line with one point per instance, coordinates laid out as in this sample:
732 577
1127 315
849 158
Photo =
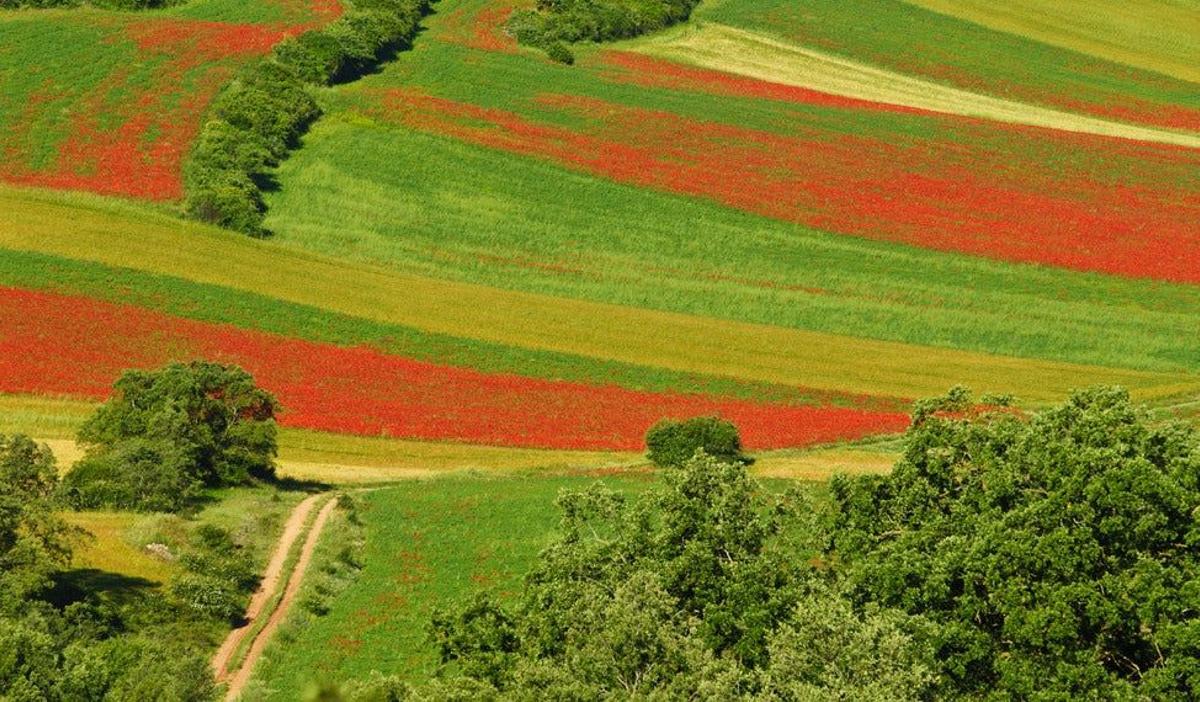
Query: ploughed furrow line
755 55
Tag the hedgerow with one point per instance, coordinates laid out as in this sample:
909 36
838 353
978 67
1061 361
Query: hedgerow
555 23
259 117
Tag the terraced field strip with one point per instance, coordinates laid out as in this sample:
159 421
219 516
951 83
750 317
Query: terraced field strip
237 679
337 459
759 56
1156 35
120 235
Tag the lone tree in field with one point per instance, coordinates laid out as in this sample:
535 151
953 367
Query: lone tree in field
1057 557
671 443
167 434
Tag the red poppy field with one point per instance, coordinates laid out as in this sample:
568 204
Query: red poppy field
124 126
1069 200
63 345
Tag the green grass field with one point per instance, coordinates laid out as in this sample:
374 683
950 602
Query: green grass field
1031 50
428 543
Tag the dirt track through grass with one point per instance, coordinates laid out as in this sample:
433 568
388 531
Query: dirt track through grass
268 587
759 56
237 679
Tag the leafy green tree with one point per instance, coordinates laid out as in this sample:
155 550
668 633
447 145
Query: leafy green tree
34 541
1058 557
167 433
671 443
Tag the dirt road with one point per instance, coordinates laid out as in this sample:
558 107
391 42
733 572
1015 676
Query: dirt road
273 577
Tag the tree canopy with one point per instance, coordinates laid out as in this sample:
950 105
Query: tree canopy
166 434
1057 556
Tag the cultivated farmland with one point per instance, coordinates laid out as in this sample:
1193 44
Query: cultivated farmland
480 269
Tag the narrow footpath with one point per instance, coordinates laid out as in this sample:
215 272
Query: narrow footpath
273 579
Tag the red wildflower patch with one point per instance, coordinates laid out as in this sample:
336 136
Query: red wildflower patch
131 131
482 27
54 344
975 194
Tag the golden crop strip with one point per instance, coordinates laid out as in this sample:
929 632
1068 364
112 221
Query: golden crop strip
759 56
1155 35
119 234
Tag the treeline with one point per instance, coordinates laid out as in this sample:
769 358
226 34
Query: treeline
258 118
555 23
1006 557
75 634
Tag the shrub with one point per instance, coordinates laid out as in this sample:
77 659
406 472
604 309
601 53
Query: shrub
136 474
558 51
555 22
671 443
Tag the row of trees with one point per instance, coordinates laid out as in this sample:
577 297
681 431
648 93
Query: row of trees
1053 557
260 116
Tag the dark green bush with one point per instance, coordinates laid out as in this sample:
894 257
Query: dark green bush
555 22
558 51
671 443
138 474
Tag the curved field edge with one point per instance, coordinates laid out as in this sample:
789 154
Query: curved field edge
119 235
1154 35
766 58
911 40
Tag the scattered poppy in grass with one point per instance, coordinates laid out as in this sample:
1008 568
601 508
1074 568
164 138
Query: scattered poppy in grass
482 27
1060 199
57 344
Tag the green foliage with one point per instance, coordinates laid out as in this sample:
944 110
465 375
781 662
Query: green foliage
691 591
554 22
259 117
1058 557
165 434
85 648
34 541
672 443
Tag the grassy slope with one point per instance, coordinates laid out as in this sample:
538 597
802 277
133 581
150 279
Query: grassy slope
117 234
763 57
913 40
1154 35
428 543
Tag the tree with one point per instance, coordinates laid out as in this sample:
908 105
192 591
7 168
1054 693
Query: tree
34 541
672 443
1058 557
165 434
686 592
